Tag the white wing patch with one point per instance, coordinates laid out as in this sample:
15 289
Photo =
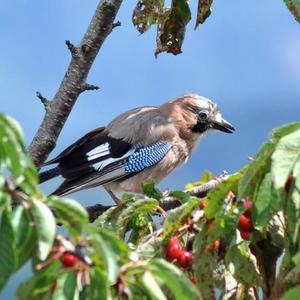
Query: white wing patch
99 151
100 165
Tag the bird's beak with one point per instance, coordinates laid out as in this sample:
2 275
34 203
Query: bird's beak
220 124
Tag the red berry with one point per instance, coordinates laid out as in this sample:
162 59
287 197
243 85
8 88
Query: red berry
185 259
215 245
248 205
194 279
288 183
246 235
245 224
173 249
202 204
69 259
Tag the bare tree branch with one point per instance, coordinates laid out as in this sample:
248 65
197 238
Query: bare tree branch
74 81
167 202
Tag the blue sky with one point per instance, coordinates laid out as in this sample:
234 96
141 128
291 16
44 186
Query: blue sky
246 57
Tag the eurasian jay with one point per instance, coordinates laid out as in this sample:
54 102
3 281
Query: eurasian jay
144 144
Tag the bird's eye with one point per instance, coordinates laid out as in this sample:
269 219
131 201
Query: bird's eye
203 116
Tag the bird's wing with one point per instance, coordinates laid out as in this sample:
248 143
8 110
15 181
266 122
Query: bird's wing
108 160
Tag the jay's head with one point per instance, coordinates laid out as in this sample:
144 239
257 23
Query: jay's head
202 114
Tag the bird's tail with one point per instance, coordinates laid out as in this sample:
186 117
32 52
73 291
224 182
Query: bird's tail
46 175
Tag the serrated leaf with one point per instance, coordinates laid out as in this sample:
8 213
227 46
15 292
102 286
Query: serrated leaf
215 198
204 263
7 248
241 266
109 251
139 206
150 190
25 234
203 11
177 216
171 32
172 277
262 163
266 202
147 13
256 170
284 158
69 212
293 209
109 218
14 156
294 8
45 227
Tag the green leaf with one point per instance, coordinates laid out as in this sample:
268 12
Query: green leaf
262 162
109 218
69 212
180 195
284 158
266 202
294 8
293 211
45 227
98 289
150 190
40 285
25 235
292 294
139 206
14 157
205 177
7 248
241 266
147 13
172 277
204 263
171 32
215 198
148 247
108 252
177 216
203 11
152 287
66 287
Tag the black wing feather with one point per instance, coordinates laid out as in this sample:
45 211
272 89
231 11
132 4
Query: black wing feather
78 168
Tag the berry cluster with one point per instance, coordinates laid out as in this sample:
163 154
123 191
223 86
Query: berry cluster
245 225
174 252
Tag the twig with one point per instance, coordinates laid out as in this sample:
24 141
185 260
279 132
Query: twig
75 77
72 48
44 100
166 202
89 87
116 24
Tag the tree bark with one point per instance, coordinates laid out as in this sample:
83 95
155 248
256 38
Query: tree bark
74 81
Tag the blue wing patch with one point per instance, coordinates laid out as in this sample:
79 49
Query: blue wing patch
145 157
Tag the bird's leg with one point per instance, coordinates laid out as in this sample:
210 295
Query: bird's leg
113 196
